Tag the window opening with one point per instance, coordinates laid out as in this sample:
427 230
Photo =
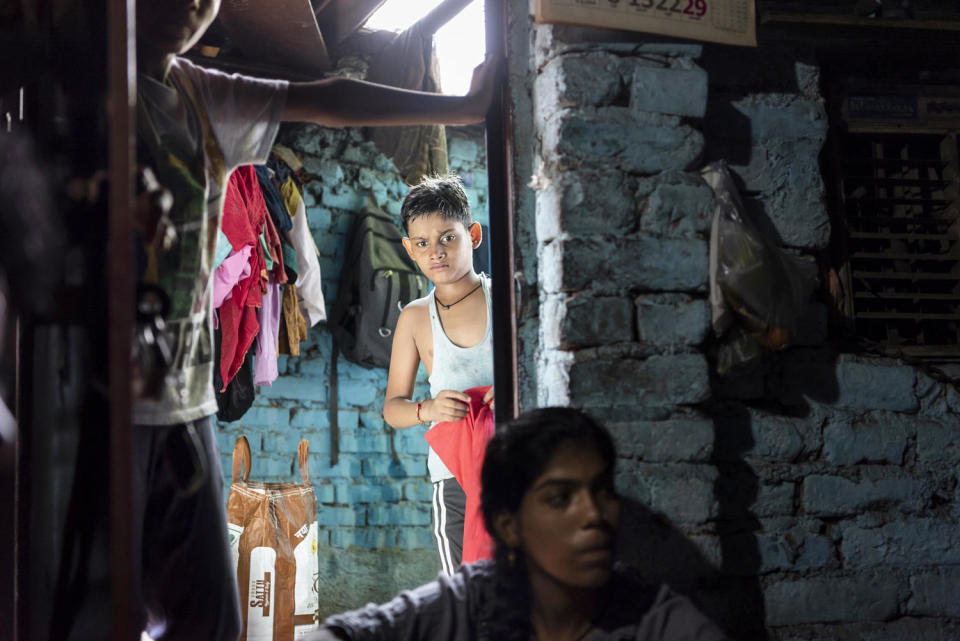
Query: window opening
459 44
901 218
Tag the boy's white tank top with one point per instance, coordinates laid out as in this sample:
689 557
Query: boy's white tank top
458 368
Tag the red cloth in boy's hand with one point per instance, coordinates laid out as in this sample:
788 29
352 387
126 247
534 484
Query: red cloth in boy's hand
461 446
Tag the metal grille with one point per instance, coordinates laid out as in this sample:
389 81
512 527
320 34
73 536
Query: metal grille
902 213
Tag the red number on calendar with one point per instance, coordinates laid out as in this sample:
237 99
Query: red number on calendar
696 8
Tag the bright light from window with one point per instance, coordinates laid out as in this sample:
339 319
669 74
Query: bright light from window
460 42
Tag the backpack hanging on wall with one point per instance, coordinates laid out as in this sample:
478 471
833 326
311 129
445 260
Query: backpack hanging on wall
377 280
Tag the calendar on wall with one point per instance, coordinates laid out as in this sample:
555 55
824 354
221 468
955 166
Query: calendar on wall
726 21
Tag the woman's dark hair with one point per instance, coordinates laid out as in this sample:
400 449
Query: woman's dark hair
519 452
516 456
442 195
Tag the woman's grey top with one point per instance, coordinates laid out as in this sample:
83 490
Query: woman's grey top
451 609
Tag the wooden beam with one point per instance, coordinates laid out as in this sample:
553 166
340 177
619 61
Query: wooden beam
277 32
499 127
121 100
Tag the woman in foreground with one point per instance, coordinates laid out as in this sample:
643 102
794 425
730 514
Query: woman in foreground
550 504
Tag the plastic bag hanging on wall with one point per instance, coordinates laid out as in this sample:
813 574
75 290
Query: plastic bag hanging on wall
758 291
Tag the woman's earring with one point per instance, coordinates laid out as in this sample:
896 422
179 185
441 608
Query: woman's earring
511 558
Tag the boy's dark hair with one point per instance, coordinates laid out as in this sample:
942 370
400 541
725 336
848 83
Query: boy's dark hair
442 195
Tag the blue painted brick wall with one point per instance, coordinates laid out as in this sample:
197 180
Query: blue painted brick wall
467 158
373 506
814 497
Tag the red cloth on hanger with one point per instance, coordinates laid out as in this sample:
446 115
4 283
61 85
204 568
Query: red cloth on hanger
244 212
244 208
461 446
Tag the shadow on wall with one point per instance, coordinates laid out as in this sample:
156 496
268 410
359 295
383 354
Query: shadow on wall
748 530
765 117
759 454
729 594
737 598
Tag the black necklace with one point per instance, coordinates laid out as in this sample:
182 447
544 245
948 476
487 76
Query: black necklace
446 307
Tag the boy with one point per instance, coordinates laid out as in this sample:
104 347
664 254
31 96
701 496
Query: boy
449 330
194 126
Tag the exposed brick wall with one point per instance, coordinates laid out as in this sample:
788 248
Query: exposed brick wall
374 504
815 498
466 155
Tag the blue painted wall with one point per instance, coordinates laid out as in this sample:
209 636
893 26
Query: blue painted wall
374 505
814 497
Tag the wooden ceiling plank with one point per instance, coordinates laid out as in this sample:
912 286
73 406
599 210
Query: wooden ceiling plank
279 32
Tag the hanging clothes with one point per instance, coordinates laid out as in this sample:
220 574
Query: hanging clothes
223 248
244 213
308 282
228 274
289 261
286 164
235 398
409 62
287 156
265 359
267 254
275 247
293 326
275 207
290 193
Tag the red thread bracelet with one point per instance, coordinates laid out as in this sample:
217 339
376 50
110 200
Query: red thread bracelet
419 420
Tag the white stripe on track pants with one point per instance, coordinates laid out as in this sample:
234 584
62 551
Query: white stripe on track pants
449 506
